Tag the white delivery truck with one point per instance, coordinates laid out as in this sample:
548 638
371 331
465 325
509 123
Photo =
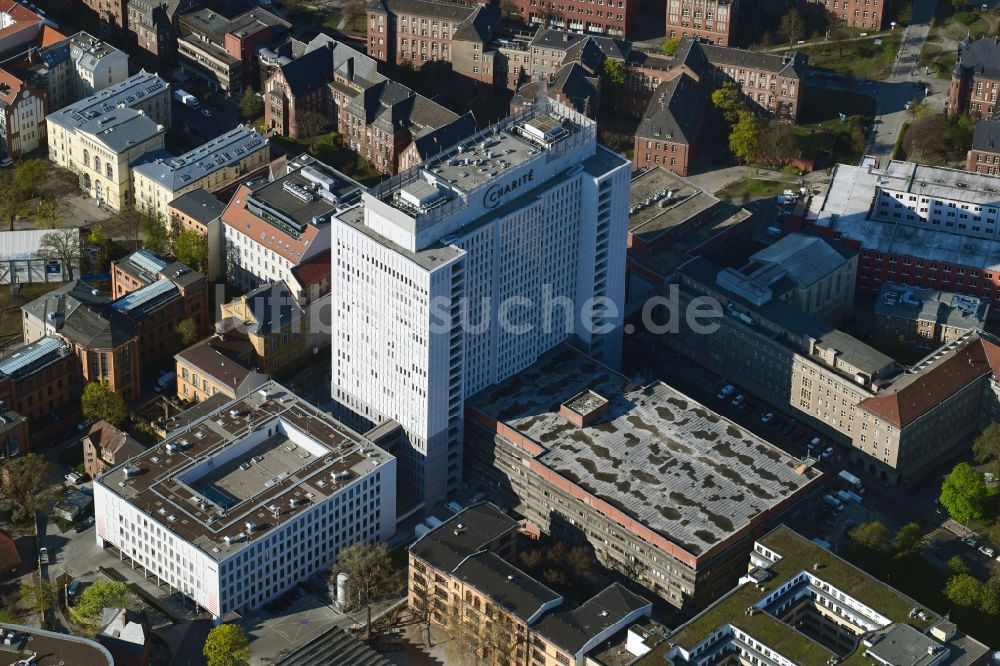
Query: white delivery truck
851 480
186 98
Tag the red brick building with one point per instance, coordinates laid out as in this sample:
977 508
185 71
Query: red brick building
869 14
105 446
711 20
153 24
611 18
114 339
670 129
41 382
984 157
112 14
976 78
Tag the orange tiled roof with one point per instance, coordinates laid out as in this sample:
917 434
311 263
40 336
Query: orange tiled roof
913 396
50 35
239 218
10 87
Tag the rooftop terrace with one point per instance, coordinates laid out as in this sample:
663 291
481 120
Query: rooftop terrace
655 454
243 470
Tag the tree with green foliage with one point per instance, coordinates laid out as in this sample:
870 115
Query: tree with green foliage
100 403
156 238
873 536
371 574
957 565
960 5
227 645
98 238
47 216
792 26
191 249
187 333
64 245
963 493
12 198
989 597
669 47
986 448
39 594
744 137
26 486
30 174
728 100
908 538
99 595
963 590
612 83
251 106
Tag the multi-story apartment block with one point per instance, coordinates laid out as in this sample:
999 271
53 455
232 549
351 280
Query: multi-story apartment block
154 24
220 365
247 502
41 382
612 18
670 129
458 574
274 323
798 603
105 446
19 26
195 210
270 228
573 85
975 79
115 339
586 455
427 32
984 157
430 240
22 115
712 21
926 318
71 69
111 14
550 49
222 52
101 136
771 83
158 179
928 227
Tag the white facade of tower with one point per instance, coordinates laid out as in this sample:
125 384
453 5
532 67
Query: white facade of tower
461 272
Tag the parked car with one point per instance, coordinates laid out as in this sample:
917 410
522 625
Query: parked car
207 112
73 478
970 542
738 400
43 555
827 452
725 391
987 551
72 591
5 161
766 418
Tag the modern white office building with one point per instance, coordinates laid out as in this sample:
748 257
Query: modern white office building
247 501
462 271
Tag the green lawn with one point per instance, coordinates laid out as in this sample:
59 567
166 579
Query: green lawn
752 188
862 59
329 150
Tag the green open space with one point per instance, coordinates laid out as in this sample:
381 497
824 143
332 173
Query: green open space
329 149
753 188
862 59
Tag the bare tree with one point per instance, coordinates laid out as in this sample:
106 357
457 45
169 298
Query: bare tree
312 124
370 575
63 244
489 637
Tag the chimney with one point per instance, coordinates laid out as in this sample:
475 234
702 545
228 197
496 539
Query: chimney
565 36
124 618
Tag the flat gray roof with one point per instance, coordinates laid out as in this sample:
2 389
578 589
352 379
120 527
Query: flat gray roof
657 455
121 128
179 484
941 307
